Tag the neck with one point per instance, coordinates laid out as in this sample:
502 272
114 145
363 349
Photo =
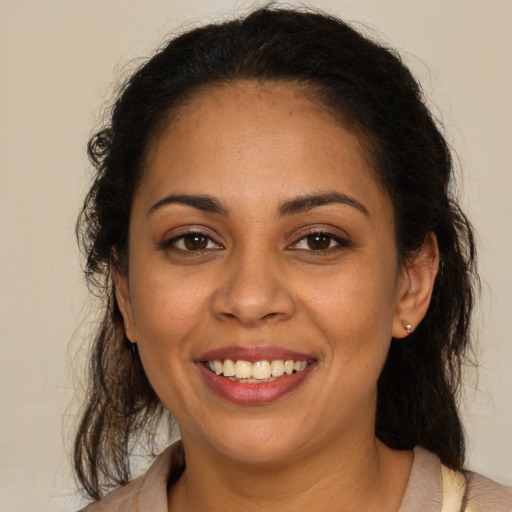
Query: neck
363 475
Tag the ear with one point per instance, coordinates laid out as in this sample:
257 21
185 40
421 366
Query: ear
415 287
122 293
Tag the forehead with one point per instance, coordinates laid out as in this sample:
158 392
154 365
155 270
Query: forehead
250 96
248 102
257 138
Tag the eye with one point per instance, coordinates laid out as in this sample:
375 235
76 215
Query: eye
320 241
192 242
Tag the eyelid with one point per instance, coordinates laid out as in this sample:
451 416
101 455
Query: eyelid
341 241
168 242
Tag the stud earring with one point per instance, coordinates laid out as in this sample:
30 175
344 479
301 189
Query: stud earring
407 326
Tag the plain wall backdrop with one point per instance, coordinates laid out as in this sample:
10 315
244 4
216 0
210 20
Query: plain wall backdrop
59 63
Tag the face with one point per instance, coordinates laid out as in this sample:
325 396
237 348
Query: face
260 236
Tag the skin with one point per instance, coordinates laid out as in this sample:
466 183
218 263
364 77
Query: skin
259 282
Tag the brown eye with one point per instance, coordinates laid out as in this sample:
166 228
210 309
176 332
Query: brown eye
195 242
191 242
319 241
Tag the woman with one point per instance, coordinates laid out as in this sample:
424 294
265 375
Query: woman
287 274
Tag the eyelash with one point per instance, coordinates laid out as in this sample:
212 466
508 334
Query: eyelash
172 243
335 243
339 242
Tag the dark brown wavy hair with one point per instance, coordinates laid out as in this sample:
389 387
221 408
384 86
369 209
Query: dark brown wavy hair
369 87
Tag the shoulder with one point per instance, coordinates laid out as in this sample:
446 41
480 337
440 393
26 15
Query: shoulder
124 499
148 491
486 495
433 487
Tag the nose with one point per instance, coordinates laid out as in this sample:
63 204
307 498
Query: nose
254 292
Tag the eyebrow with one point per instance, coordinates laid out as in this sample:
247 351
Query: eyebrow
204 203
310 201
296 205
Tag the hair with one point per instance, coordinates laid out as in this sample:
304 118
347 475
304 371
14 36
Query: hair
369 87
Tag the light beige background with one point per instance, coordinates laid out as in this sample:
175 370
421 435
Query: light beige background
59 61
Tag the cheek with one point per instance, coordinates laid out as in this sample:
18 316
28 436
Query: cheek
356 302
164 304
168 313
355 316
167 322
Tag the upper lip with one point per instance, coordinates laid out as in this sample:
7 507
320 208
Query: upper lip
253 354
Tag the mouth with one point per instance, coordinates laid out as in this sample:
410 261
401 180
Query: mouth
256 372
252 376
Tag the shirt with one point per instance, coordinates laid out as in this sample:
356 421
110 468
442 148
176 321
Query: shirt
424 492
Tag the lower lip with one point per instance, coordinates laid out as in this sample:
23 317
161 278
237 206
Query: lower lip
257 393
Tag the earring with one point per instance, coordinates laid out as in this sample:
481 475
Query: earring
407 326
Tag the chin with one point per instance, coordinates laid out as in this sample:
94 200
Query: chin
260 441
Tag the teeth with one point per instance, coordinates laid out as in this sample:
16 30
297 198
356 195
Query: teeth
277 368
253 372
217 367
261 370
298 366
288 367
243 370
229 368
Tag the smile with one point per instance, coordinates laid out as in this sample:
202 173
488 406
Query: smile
255 372
257 382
